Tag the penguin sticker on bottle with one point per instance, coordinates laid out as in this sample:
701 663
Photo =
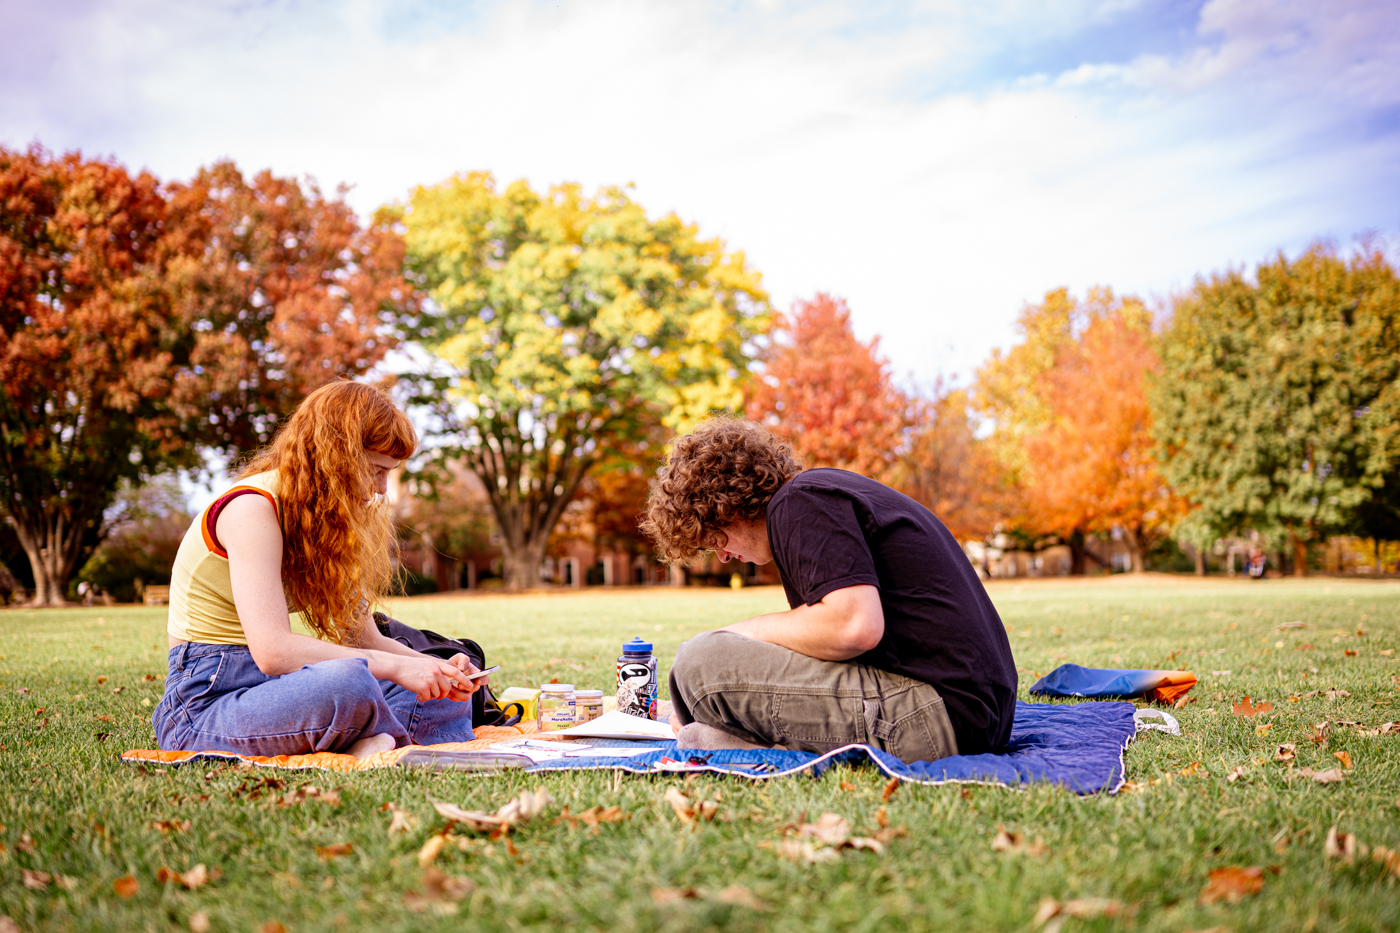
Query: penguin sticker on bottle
637 680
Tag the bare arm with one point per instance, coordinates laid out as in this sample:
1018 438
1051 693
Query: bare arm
247 528
846 623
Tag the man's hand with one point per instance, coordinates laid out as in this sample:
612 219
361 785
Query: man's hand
846 623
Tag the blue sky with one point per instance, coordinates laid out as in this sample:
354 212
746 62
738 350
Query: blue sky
937 164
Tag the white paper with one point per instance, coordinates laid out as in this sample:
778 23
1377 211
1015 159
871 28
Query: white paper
615 725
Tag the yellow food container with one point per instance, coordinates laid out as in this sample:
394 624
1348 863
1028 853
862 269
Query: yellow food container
527 697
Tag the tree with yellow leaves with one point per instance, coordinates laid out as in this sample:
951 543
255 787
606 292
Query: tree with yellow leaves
564 326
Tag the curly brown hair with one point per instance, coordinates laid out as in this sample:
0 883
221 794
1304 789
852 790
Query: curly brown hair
724 471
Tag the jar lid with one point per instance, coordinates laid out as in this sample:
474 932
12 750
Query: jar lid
588 694
636 646
557 688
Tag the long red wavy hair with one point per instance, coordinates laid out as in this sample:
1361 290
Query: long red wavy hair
336 531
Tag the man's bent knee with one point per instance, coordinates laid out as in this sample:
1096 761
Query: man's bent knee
698 659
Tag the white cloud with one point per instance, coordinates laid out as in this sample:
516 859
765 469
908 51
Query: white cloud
823 140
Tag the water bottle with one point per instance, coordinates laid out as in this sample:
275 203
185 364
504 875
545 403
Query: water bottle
637 680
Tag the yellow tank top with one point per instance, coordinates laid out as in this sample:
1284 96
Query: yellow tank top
201 594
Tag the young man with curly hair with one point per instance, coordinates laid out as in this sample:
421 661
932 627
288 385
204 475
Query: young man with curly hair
891 640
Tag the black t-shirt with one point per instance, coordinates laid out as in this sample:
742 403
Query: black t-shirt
830 529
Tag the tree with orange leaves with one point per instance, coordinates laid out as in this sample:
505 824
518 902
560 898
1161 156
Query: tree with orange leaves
829 393
138 323
1090 465
282 290
949 469
84 351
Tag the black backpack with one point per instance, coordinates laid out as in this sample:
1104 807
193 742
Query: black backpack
486 709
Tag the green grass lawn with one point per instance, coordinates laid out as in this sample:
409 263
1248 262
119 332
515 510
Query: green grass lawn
77 687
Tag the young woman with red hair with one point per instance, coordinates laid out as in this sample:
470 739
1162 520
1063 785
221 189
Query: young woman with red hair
306 529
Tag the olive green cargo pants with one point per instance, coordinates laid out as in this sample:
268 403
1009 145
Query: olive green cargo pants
772 695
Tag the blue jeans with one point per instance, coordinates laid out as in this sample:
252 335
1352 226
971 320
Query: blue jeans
216 699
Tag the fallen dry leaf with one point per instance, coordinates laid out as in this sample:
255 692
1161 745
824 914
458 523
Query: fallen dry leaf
664 896
688 812
1389 858
848 787
148 677
515 811
1330 776
35 880
335 850
172 826
1236 774
1183 702
1232 884
1339 845
199 922
1390 728
830 829
192 880
126 886
594 816
431 849
740 896
1286 752
25 844
310 792
803 851
401 820
1350 652
272 926
1246 709
1055 912
865 842
1321 732
890 788
591 817
680 803
1335 694
444 887
1344 758
881 818
1016 844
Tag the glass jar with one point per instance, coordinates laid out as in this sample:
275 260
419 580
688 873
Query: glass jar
557 707
590 704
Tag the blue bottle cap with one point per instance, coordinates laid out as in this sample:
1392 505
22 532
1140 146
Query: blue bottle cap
636 646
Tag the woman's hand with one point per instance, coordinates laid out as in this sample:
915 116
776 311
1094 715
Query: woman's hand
465 688
427 677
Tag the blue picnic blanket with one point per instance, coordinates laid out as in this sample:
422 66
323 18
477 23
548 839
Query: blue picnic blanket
1078 746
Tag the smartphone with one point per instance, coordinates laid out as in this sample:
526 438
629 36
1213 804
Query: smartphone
480 674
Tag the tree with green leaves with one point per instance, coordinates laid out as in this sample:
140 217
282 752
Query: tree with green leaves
1276 405
564 326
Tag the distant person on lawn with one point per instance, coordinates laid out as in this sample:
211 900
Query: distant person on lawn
891 640
306 528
